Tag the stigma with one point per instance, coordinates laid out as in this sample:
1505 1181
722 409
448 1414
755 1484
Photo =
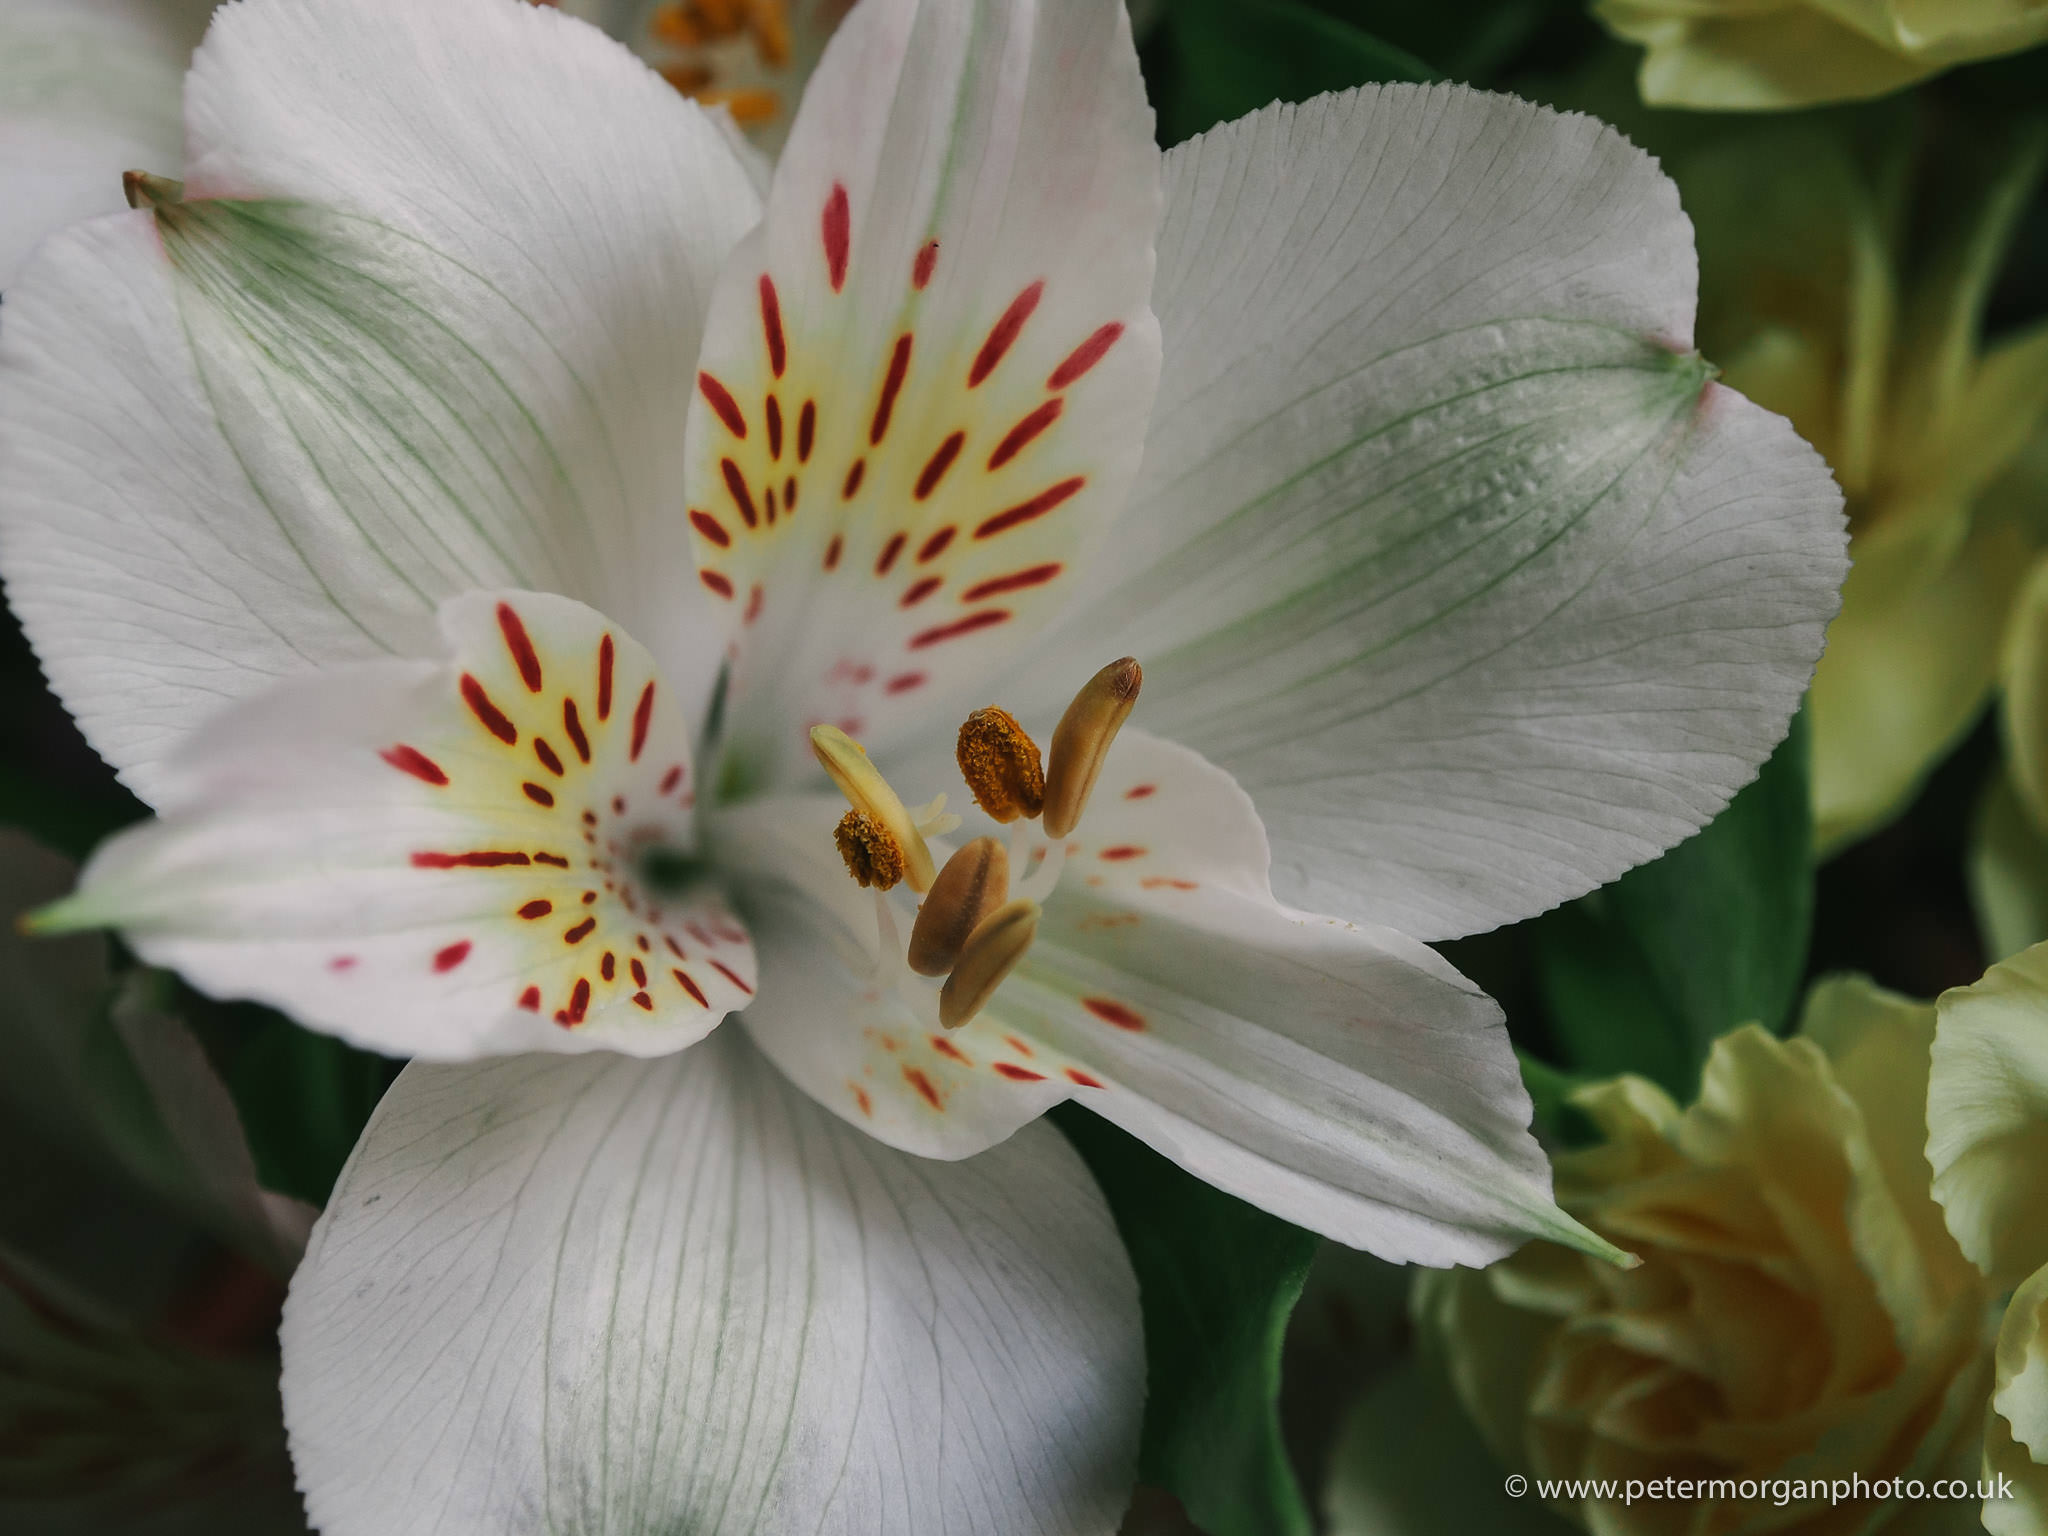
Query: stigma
972 928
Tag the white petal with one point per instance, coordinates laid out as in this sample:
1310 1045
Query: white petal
88 90
441 859
599 1295
938 345
1444 544
439 336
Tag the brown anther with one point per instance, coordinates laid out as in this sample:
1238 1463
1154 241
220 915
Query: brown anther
991 952
745 105
973 884
769 22
687 78
676 26
871 854
1000 764
1082 740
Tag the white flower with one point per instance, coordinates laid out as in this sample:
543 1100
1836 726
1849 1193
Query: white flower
530 487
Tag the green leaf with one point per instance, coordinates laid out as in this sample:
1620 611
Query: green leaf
1219 1279
1231 57
1643 975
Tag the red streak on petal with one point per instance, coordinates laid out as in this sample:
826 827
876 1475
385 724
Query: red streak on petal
832 553
572 722
920 590
551 858
452 956
539 795
754 601
520 646
732 976
1004 333
889 553
1078 1076
1112 1012
892 383
642 1000
1015 440
711 528
789 496
415 762
1018 1074
720 399
642 713
1140 791
921 269
936 466
608 967
1085 356
1121 852
530 999
860 1094
771 324
935 546
671 779
903 682
1032 576
923 1085
604 678
1025 511
851 487
492 860
716 582
743 498
958 627
493 718
342 963
837 228
774 413
806 431
580 932
692 988
546 754
579 1000
1167 882
946 1047
535 910
639 970
1018 1046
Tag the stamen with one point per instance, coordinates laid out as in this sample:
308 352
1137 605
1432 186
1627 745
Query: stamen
867 791
973 884
1039 884
991 952
1082 740
871 854
1001 765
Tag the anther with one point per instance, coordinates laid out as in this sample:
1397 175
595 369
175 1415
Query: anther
868 792
1000 764
1082 740
871 854
973 884
990 953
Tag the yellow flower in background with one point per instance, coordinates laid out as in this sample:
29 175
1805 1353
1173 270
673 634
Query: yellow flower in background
1801 1311
1769 55
1824 300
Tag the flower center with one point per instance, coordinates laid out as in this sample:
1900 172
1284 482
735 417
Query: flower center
971 930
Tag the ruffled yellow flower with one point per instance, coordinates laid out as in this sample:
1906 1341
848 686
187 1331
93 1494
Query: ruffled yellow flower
1940 443
1801 1311
1772 54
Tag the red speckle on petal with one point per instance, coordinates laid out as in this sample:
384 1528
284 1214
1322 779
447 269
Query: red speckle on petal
671 779
1017 1074
449 958
754 600
1085 356
608 967
935 546
832 552
539 795
692 988
493 859
1121 852
410 760
493 718
736 483
1018 1046
1031 576
546 754
958 627
806 432
1112 1012
892 384
521 647
642 1000
551 858
921 269
729 974
923 1085
1025 511
643 712
1074 1074
342 963
936 466
580 932
1166 882
639 970
536 909
773 410
919 590
716 582
572 723
1140 791
836 225
890 551
1004 333
1019 437
720 399
711 528
604 678
946 1047
771 324
903 682
579 1000
530 999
